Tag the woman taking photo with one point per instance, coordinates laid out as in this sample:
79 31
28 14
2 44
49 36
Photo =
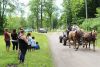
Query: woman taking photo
23 44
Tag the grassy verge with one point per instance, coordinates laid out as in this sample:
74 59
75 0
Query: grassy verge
38 58
98 40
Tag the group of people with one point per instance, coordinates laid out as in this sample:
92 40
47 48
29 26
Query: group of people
20 42
32 44
7 38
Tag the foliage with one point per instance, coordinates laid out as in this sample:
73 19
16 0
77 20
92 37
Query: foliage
98 40
3 4
36 58
98 12
91 23
15 23
62 21
34 8
42 13
9 8
74 11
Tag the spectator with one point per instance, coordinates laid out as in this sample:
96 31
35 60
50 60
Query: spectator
7 38
37 46
14 39
29 38
23 43
33 43
20 29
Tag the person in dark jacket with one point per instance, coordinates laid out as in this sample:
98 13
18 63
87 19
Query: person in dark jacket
69 29
23 44
14 36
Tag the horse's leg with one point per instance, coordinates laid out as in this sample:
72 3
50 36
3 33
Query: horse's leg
89 45
93 45
78 44
86 44
83 43
61 39
69 43
64 42
76 48
74 44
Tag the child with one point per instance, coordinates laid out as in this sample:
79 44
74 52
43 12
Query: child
29 38
37 46
34 44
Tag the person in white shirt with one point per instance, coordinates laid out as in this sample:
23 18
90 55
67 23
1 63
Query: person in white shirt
34 44
29 38
75 28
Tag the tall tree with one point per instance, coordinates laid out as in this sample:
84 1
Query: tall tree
67 11
49 9
35 7
3 5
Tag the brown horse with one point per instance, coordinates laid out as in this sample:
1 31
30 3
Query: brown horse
76 37
88 38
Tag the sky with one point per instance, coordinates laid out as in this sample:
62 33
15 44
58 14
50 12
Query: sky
57 2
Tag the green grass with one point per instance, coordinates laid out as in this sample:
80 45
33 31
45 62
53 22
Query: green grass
98 40
38 58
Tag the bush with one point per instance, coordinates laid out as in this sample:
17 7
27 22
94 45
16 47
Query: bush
98 12
91 23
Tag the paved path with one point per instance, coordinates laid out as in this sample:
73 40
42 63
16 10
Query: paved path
67 57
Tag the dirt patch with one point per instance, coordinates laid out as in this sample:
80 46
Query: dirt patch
12 65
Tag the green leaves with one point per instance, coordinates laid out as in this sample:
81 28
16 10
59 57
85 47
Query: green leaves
98 12
42 13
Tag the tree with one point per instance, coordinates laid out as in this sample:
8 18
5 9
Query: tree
34 8
67 11
3 5
49 9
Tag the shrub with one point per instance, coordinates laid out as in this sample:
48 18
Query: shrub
91 23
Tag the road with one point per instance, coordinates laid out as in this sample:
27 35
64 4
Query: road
63 56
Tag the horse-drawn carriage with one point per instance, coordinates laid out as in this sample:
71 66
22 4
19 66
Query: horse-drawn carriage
77 37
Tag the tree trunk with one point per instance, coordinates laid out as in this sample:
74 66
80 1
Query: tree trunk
37 21
1 24
50 24
41 25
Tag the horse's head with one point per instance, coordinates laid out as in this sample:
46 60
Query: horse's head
79 36
94 32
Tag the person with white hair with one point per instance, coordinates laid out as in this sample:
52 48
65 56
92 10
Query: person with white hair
75 28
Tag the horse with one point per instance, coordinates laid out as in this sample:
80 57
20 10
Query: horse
89 37
76 37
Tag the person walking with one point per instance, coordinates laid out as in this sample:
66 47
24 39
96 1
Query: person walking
23 44
14 36
7 39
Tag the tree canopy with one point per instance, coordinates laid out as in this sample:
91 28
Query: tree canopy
44 13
